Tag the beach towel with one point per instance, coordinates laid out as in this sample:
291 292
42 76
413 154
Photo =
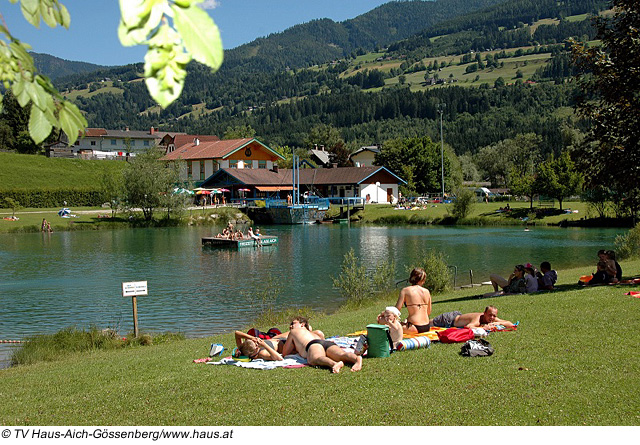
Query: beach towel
290 361
633 294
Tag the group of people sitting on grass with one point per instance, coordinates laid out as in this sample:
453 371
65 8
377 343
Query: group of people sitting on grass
312 345
607 270
417 299
524 279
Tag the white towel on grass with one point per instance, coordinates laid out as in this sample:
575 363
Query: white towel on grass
289 360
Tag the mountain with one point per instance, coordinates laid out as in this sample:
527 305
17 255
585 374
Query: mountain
510 77
54 67
321 41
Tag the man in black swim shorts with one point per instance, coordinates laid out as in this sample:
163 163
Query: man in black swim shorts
326 344
456 319
319 352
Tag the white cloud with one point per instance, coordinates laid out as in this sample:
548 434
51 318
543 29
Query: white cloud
210 4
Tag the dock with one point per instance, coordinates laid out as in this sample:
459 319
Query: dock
212 241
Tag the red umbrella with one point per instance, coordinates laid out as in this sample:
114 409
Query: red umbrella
244 190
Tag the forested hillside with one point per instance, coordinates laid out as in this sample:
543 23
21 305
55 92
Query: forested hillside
54 67
500 70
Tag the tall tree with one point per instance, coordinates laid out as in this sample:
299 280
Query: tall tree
147 182
558 177
424 156
611 82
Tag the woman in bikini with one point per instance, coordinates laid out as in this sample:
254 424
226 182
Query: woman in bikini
417 299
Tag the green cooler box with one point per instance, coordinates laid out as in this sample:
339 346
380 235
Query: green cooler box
379 340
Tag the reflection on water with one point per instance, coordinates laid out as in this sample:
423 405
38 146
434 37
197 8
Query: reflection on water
52 281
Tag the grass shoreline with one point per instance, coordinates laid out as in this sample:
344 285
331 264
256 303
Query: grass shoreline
573 361
482 215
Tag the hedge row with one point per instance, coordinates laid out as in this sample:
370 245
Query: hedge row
47 198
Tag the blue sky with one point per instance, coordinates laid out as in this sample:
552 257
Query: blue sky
92 36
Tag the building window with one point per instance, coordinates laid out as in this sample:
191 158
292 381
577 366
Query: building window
248 164
233 164
201 170
262 164
93 143
133 143
145 143
190 169
114 142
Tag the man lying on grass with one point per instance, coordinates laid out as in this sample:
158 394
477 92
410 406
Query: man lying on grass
457 319
319 352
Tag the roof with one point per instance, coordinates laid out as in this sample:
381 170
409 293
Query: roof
183 139
322 155
213 149
317 176
371 148
132 134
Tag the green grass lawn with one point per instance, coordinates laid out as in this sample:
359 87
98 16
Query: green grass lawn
18 171
489 214
573 361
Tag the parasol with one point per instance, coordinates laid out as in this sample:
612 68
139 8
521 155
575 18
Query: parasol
63 212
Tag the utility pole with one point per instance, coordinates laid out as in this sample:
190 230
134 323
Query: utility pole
441 111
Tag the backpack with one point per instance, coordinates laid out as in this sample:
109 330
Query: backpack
476 348
379 341
455 335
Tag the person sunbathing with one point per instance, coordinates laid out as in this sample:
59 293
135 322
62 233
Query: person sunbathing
320 352
417 299
457 319
253 347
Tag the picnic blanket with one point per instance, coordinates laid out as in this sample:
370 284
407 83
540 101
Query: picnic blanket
290 361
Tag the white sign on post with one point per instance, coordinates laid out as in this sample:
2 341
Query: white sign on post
134 288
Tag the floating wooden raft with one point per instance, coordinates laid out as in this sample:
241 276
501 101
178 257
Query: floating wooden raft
222 242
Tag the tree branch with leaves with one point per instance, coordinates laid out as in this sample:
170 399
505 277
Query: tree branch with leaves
175 32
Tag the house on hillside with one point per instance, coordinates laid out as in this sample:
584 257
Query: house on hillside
365 156
205 157
102 143
373 184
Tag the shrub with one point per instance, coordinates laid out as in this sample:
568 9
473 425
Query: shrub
357 285
628 245
352 281
463 203
438 272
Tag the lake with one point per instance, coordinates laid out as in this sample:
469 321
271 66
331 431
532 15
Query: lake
52 281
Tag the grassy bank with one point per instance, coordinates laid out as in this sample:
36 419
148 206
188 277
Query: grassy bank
481 214
573 361
86 218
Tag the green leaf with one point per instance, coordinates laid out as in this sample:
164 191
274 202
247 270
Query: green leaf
31 6
48 15
71 121
65 18
200 35
39 125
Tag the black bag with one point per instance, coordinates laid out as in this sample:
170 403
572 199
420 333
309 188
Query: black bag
476 348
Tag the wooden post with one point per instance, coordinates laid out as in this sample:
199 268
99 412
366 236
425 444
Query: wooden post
135 316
